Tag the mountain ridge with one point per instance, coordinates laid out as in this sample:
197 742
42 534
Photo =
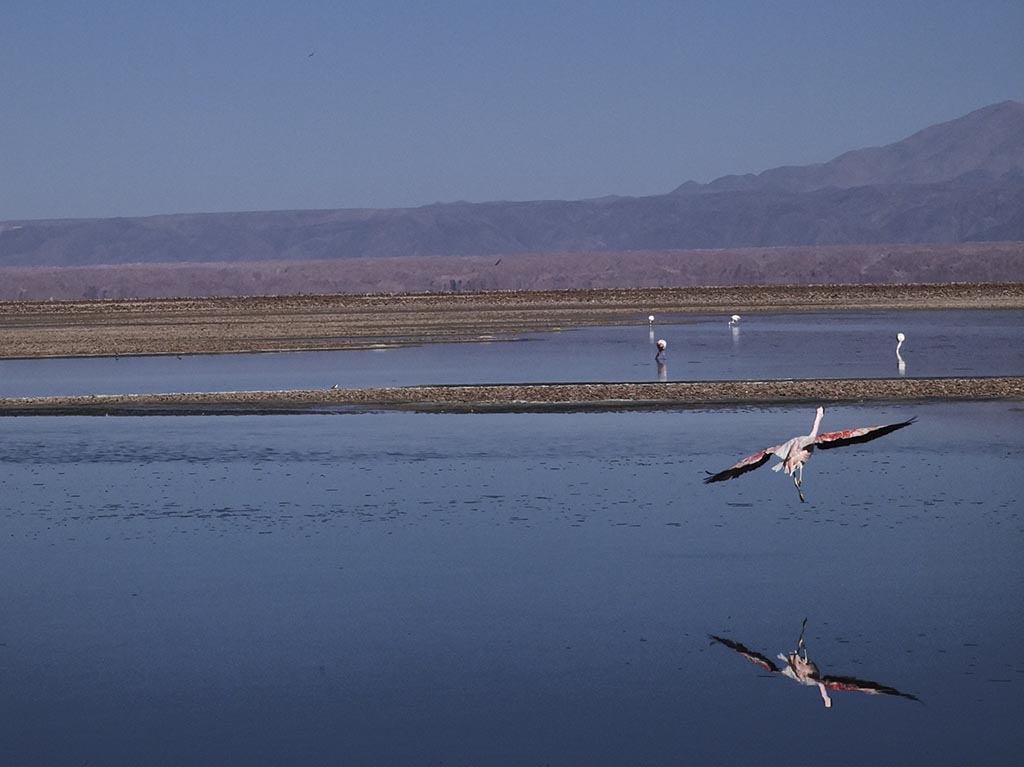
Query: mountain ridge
961 181
988 131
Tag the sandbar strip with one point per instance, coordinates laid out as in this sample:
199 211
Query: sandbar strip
527 397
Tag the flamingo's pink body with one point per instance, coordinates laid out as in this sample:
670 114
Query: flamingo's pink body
798 450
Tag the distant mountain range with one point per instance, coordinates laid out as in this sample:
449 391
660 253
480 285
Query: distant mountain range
982 146
957 182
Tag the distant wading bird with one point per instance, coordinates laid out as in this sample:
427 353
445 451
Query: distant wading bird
662 344
735 320
797 451
802 669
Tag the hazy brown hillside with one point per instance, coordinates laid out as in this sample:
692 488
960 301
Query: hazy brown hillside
984 262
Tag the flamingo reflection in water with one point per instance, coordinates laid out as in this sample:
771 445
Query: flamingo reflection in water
798 667
797 451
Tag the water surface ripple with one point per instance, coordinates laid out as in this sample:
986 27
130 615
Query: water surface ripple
400 588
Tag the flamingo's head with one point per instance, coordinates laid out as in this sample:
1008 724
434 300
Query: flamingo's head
900 337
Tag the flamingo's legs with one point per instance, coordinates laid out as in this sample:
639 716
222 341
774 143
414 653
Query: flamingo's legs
798 479
800 642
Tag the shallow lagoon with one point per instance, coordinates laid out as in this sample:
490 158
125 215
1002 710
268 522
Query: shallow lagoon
700 348
403 588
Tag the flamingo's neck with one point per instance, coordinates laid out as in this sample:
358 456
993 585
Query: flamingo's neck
817 422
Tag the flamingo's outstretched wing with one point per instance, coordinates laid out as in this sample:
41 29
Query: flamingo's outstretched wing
863 685
747 464
833 439
754 657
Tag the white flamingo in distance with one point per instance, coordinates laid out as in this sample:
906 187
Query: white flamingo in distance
650 319
735 320
662 345
900 364
797 451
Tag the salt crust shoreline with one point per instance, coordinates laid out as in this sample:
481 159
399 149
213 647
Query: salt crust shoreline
32 330
528 397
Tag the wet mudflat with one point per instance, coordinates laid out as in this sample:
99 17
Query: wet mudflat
700 348
310 323
409 588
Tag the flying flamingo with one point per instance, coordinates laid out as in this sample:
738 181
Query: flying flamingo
802 669
662 344
797 451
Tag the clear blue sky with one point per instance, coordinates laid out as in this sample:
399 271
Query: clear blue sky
133 108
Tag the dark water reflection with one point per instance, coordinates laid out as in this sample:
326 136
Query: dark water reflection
798 666
701 347
504 589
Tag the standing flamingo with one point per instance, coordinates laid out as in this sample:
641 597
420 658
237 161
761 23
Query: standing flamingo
802 669
662 345
735 320
797 451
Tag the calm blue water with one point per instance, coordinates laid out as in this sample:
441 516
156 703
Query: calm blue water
763 346
401 588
